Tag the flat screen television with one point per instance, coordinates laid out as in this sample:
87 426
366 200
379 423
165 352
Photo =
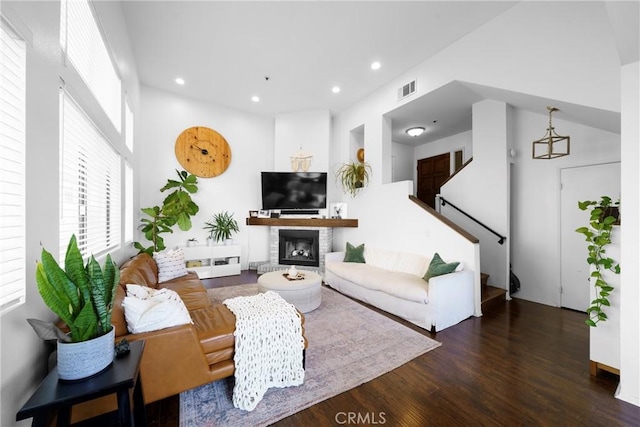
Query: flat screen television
294 190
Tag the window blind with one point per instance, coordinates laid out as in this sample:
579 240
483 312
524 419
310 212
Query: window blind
12 168
128 203
90 184
85 49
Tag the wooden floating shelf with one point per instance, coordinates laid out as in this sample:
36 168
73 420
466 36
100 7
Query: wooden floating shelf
303 222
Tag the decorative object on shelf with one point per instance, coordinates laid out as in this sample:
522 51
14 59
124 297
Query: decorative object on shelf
177 208
192 242
122 348
221 227
263 213
415 131
598 236
552 145
300 160
292 272
338 210
82 296
353 176
253 214
203 151
360 155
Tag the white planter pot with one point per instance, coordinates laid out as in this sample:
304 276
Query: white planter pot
78 360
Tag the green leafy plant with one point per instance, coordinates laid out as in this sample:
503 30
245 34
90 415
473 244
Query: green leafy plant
221 226
82 296
598 236
177 208
353 176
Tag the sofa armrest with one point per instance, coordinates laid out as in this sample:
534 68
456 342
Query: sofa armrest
334 256
173 361
453 297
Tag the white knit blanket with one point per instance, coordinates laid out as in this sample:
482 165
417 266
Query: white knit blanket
268 347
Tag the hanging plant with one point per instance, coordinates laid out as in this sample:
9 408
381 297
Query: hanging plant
353 176
598 236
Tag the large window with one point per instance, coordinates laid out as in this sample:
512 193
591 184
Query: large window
81 40
12 168
90 183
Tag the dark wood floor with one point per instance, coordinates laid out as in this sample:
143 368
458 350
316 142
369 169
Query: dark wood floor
520 364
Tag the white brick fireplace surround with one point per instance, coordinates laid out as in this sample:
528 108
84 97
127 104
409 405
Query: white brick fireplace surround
325 243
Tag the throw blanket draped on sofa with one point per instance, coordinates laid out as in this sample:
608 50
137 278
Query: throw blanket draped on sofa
268 347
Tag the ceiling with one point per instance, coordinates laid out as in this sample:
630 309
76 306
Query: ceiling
292 53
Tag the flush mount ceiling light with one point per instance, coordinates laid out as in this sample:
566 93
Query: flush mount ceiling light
335 89
255 98
415 131
552 145
179 80
375 65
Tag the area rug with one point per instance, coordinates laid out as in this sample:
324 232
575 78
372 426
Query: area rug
349 345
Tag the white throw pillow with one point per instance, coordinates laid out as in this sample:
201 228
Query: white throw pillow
147 309
171 264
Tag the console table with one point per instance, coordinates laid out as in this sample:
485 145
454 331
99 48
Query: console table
213 260
54 395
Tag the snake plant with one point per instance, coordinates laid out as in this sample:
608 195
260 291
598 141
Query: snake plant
82 296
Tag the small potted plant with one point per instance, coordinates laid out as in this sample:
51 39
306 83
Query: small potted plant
82 297
221 227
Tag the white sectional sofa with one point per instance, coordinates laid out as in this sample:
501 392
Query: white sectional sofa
393 281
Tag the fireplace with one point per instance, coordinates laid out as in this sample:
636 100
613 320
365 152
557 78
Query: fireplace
298 247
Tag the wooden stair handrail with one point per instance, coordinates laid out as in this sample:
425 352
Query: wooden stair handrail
464 233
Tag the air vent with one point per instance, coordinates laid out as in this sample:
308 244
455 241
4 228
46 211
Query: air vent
406 90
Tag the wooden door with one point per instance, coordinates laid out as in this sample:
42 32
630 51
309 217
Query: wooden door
432 172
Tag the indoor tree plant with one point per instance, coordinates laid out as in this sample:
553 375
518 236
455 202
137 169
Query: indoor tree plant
177 208
598 236
82 296
221 226
353 176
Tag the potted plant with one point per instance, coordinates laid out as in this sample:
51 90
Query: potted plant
221 227
82 296
598 236
353 176
177 208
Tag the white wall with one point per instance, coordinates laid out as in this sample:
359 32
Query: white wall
630 213
23 360
309 130
402 163
251 138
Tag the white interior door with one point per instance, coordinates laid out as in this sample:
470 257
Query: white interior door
579 184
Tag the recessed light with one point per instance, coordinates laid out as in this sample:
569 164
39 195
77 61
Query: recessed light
255 98
180 81
335 89
375 65
415 131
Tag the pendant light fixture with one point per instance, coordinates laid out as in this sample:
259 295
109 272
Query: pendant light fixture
552 145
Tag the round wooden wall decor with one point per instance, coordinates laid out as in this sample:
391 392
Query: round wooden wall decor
360 155
203 152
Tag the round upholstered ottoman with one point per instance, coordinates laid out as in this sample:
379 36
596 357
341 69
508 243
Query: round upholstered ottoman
305 294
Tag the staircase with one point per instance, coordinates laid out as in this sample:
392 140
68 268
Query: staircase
491 296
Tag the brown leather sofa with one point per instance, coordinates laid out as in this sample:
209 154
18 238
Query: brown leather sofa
178 358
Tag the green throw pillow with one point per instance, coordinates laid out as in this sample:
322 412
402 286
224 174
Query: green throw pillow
438 267
354 253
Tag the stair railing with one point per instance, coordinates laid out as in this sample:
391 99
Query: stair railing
445 202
